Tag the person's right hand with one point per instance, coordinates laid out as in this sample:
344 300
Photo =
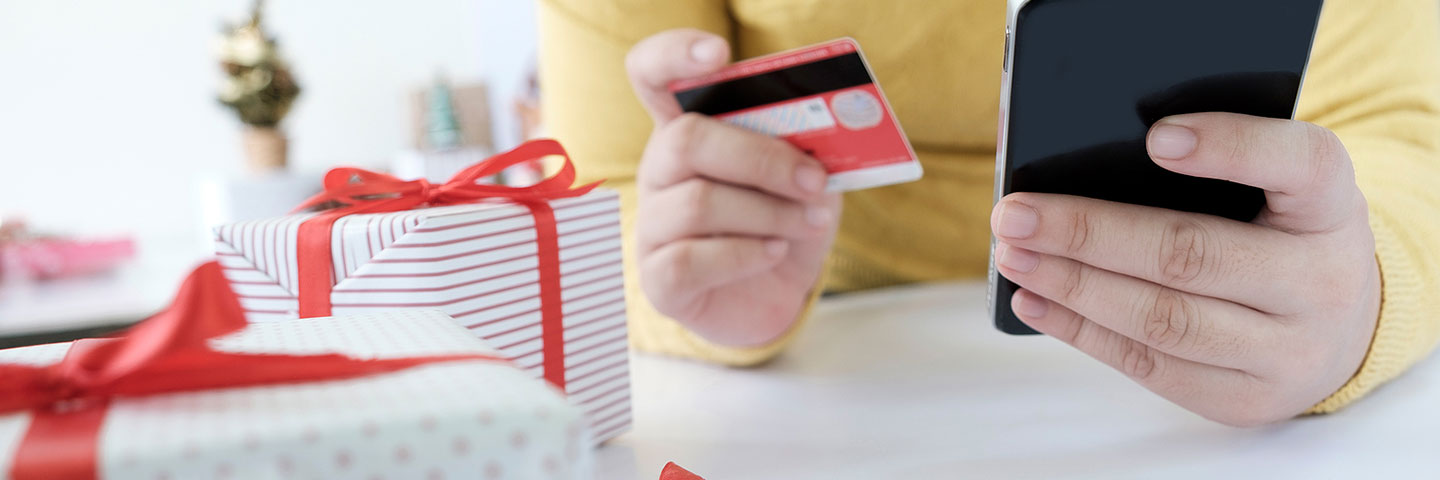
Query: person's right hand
734 226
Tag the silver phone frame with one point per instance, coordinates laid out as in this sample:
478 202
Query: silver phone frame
1012 12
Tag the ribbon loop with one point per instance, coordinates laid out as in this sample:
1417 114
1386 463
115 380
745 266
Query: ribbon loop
358 190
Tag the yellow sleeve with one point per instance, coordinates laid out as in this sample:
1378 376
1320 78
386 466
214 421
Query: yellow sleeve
589 107
1374 79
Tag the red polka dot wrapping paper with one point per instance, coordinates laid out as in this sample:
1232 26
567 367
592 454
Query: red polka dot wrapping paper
477 263
469 419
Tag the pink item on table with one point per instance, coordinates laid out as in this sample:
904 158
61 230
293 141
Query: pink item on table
53 257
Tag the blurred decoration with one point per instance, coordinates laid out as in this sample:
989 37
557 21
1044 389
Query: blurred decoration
448 106
527 106
451 127
441 128
26 256
258 85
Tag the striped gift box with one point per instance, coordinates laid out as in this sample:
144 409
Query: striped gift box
476 262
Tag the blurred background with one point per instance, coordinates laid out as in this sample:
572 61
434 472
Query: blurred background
127 129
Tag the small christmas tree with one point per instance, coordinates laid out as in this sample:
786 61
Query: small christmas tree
441 128
258 86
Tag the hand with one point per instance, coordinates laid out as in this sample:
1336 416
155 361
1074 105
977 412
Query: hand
1243 323
733 225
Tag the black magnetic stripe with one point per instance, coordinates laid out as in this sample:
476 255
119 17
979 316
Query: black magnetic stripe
788 83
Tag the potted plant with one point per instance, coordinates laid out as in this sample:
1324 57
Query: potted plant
259 87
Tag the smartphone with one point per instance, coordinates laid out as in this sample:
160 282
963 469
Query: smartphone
1084 80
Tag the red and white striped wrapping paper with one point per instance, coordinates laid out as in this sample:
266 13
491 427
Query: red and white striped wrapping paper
475 262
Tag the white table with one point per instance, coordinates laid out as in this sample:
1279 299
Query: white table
914 383
133 291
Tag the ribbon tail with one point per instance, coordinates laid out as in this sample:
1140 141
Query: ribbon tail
60 445
676 472
552 317
316 269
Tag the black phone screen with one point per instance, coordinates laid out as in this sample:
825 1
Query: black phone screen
1090 77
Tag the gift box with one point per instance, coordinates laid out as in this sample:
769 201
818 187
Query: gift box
197 393
534 272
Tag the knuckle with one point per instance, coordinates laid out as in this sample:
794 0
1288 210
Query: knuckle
684 133
1076 286
1239 143
1169 320
661 273
1326 155
1082 228
696 199
680 269
1075 330
645 222
771 158
1262 406
637 59
1304 358
783 218
1185 253
652 52
1322 141
1329 291
656 162
1138 361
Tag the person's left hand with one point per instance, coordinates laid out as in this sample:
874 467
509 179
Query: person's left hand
1242 323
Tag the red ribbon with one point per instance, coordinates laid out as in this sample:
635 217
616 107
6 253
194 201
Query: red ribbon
166 353
364 191
675 472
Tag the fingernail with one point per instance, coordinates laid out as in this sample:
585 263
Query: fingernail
776 248
818 216
810 178
1172 142
1017 259
1017 221
709 50
1029 305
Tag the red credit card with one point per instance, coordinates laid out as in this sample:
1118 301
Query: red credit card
823 99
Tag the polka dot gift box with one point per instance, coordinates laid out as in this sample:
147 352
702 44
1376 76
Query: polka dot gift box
535 272
400 395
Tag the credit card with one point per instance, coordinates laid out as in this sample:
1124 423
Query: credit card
823 99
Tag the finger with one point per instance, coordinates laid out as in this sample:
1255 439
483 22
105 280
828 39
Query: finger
1192 327
1245 263
1303 168
668 56
699 208
679 271
698 146
1204 389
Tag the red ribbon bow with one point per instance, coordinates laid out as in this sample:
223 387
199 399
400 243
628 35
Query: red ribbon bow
364 191
166 353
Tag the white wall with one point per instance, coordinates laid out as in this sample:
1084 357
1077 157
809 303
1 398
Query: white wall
108 115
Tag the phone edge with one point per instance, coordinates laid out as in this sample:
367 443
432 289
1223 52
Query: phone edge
1309 54
1002 140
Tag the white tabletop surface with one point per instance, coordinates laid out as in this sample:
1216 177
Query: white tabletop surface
914 383
133 291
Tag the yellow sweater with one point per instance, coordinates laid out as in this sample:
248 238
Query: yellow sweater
1374 79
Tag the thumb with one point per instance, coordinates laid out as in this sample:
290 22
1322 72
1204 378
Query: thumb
1304 169
668 56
